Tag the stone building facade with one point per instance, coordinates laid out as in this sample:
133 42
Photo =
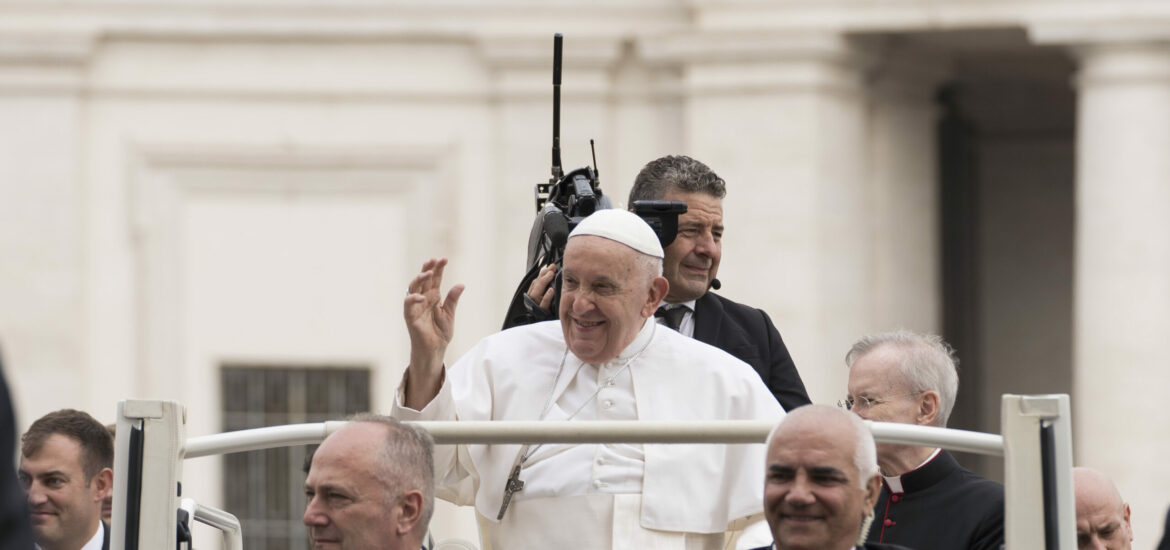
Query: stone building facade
191 186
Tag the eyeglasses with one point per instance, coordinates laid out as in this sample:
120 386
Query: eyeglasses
866 403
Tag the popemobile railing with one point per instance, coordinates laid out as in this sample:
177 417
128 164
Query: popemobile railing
151 444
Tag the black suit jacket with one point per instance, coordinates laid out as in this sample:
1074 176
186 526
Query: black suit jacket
866 546
105 536
15 525
748 334
1165 544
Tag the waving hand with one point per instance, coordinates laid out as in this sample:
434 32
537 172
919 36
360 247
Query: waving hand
430 320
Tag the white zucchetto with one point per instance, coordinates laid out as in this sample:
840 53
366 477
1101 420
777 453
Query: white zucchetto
622 226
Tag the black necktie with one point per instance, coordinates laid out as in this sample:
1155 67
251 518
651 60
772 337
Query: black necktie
672 317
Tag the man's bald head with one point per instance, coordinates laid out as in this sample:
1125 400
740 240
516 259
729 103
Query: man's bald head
370 486
1102 516
821 479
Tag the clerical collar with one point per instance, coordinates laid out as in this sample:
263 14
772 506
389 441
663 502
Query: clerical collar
639 343
895 482
689 305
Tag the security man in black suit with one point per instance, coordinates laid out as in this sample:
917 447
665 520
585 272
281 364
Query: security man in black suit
691 263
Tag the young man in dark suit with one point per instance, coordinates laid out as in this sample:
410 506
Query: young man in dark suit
690 266
66 469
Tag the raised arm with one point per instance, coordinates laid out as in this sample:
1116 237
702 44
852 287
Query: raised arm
431 324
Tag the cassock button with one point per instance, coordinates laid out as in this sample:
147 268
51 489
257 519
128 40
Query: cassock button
889 523
895 498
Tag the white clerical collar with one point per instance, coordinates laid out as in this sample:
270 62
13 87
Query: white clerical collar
689 305
895 482
639 343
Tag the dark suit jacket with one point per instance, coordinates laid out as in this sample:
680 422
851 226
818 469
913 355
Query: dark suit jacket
1165 544
748 334
105 536
15 525
866 546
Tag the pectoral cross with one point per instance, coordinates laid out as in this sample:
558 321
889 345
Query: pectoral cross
513 485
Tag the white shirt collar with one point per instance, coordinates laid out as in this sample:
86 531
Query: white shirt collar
95 542
895 482
639 343
690 305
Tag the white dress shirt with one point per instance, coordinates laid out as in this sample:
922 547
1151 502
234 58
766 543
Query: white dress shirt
95 542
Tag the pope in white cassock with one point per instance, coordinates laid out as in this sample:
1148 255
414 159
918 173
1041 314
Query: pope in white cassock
606 359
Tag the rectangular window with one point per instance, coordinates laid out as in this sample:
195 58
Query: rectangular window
265 489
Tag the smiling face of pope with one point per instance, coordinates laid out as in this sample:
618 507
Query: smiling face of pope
608 291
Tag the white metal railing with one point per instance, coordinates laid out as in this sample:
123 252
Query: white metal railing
498 432
229 524
1036 431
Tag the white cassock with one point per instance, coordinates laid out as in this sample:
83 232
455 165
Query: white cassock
602 496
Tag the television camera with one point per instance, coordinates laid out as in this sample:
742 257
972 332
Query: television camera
561 204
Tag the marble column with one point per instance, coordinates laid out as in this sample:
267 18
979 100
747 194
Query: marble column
1122 277
903 172
822 152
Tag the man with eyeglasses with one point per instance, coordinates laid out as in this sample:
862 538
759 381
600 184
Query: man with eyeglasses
927 500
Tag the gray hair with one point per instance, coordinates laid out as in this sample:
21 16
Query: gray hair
649 264
864 448
927 364
406 462
675 172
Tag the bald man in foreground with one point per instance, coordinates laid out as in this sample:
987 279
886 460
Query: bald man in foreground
1102 517
371 486
821 481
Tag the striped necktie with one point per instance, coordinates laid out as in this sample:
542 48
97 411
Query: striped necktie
672 317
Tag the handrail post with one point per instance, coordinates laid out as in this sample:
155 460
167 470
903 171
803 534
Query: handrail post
1037 453
148 466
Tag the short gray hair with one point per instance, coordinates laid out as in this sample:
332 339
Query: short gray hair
927 364
864 448
649 264
407 462
675 172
